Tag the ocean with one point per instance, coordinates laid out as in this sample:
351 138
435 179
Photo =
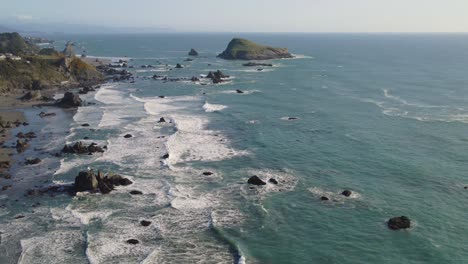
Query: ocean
382 115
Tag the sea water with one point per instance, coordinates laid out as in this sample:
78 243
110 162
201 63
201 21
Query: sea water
385 116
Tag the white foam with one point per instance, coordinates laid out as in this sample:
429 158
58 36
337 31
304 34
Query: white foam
334 195
213 107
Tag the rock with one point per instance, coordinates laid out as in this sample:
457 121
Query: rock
178 66
32 95
207 173
6 187
69 100
145 223
128 136
5 164
25 124
255 64
272 180
165 156
134 192
194 79
259 69
193 52
80 148
27 135
85 125
133 241
239 91
255 180
292 118
217 76
33 161
162 96
117 180
324 198
86 181
21 145
466 187
346 193
19 216
44 114
242 49
397 223
162 120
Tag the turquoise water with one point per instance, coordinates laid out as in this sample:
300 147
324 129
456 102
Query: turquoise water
382 115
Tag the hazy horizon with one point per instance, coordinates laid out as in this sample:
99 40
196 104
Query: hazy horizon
298 16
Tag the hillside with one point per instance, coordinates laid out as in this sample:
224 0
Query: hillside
15 44
243 49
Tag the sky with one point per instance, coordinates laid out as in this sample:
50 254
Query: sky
248 15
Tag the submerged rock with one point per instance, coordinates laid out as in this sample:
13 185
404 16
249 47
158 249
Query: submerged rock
135 192
178 66
324 198
397 223
128 136
69 100
239 91
255 180
165 156
207 173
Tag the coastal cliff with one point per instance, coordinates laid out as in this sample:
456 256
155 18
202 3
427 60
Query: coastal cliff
31 69
243 49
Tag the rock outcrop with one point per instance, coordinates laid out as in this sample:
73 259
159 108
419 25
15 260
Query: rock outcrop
255 180
80 148
89 181
193 52
397 223
69 100
242 49
217 76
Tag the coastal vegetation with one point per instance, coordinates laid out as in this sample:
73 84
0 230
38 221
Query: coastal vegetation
243 49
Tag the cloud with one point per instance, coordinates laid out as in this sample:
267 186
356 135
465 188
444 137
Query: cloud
24 17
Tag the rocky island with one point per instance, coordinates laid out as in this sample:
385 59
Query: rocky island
243 49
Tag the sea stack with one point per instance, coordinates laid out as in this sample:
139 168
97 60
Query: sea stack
243 49
193 52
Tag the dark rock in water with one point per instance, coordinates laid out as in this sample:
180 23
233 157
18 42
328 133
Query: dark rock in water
86 138
27 135
25 124
466 187
193 52
194 79
117 180
346 193
86 181
165 156
85 125
242 49
259 69
33 161
19 216
188 59
178 66
239 91
128 136
255 180
6 187
21 145
162 120
255 64
207 173
69 100
217 76
324 198
89 181
133 241
397 223
134 192
43 114
145 223
272 180
162 96
292 118
80 148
